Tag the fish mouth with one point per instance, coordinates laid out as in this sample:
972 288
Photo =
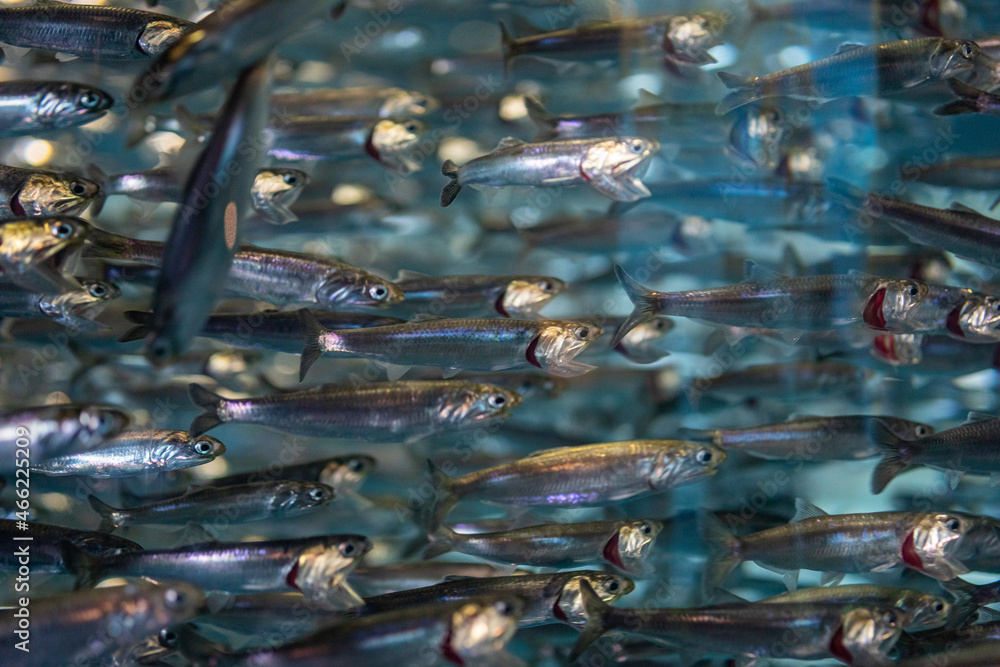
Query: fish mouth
953 322
873 315
611 552
15 204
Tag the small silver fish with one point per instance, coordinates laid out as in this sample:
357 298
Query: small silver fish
53 429
357 102
29 193
29 107
613 167
35 253
136 453
75 309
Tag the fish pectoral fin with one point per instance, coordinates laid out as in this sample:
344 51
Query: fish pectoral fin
394 371
626 188
884 566
962 208
979 417
571 368
14 53
756 272
65 57
648 99
831 578
954 477
508 142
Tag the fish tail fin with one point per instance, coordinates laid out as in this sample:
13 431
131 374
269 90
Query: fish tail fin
451 189
97 175
723 552
442 541
444 497
311 348
111 518
967 102
540 116
743 92
643 299
143 321
893 461
508 44
596 612
208 401
86 568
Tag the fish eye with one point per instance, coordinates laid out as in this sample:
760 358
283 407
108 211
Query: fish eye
703 456
646 529
921 431
504 608
316 495
411 126
913 290
952 524
348 549
167 638
996 306
496 400
355 465
637 146
78 188
291 179
378 292
890 619
203 447
968 51
97 290
62 230
545 285
583 333
660 325
613 586
90 100
938 606
174 598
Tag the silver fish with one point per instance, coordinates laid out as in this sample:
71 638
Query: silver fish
315 566
510 296
28 107
75 309
47 544
923 610
28 193
856 70
357 102
233 504
388 141
469 344
613 167
51 430
205 234
136 453
99 617
377 412
585 476
36 252
89 31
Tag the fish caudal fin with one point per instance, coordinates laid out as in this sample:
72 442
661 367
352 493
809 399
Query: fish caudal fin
643 300
596 613
723 552
845 193
742 92
143 321
86 568
967 102
207 401
111 518
893 461
442 541
311 348
444 497
451 190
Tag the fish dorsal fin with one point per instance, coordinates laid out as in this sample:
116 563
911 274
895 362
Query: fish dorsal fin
754 271
847 46
979 417
406 274
648 99
791 261
806 510
508 142
542 452
427 317
857 273
962 208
